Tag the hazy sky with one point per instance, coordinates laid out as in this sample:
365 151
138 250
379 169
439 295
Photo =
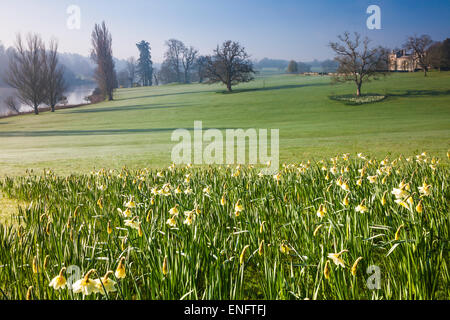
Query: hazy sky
284 29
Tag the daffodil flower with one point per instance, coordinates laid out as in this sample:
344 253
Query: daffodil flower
58 282
132 223
105 285
321 211
120 271
355 266
174 211
86 286
336 257
361 207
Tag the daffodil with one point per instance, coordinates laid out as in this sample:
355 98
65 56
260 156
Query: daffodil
336 257
86 286
261 227
321 211
171 222
242 256
120 271
109 228
419 207
105 285
165 268
188 191
284 248
238 207
174 211
130 204
132 223
361 207
346 202
372 179
223 200
425 189
355 266
58 282
261 248
326 270
100 203
383 199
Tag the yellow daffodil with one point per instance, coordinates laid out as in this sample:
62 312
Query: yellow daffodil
120 271
86 286
105 285
109 228
419 207
58 282
238 206
383 199
261 248
355 266
165 268
336 257
326 270
242 256
321 211
188 191
223 200
372 179
361 207
174 211
359 182
29 292
132 223
425 189
130 204
171 222
346 202
100 203
284 248
261 227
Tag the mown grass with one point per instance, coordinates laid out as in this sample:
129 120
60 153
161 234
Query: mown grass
135 129
250 236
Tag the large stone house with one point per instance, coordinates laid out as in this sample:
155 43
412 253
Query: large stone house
402 61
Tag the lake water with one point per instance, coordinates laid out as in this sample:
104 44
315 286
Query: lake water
75 95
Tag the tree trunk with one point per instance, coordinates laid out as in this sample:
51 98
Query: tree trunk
229 87
358 90
36 110
110 96
53 108
425 72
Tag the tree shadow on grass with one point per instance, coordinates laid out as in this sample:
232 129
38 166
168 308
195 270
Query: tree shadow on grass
129 108
165 95
56 133
419 93
288 86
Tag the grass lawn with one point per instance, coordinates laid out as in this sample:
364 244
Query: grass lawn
135 129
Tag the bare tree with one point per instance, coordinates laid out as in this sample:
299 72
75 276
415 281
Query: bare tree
173 56
201 64
10 102
357 62
419 47
131 68
188 59
229 65
54 76
101 54
27 71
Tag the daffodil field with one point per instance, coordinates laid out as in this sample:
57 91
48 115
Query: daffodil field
313 231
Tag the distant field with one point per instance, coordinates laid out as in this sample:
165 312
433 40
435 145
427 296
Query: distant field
135 129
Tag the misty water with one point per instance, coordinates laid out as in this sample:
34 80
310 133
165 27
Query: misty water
75 95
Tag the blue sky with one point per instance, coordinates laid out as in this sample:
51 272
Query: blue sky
284 29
